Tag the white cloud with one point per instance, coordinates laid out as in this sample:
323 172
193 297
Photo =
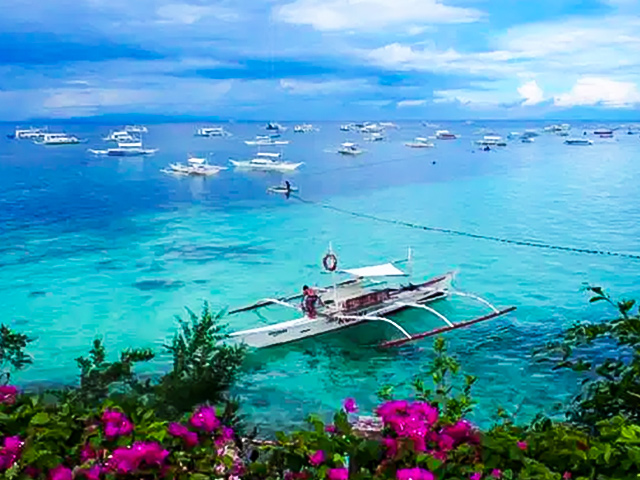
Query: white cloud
469 97
326 15
300 87
531 93
188 14
411 103
589 91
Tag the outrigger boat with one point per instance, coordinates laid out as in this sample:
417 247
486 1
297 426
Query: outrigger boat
362 298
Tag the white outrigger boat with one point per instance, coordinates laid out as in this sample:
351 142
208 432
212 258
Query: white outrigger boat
491 141
125 149
57 139
304 128
266 140
120 136
349 148
211 132
578 141
266 162
363 298
420 142
30 133
445 135
136 129
195 166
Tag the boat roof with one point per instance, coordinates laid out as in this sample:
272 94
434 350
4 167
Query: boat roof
348 144
268 154
196 160
384 270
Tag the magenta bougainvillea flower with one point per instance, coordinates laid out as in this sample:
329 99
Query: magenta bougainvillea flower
130 459
496 473
567 476
10 452
8 394
330 428
317 458
116 424
414 474
522 445
338 474
476 476
189 438
61 473
204 418
350 405
91 473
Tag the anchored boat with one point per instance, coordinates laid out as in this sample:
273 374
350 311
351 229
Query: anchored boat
125 149
266 162
267 140
364 297
349 148
578 141
195 166
420 142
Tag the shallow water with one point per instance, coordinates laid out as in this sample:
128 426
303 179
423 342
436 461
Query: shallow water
115 248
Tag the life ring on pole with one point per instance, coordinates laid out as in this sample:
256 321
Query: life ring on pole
330 262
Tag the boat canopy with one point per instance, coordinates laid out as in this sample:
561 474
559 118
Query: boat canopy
268 155
195 160
384 270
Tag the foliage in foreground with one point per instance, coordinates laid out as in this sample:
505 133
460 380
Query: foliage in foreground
114 427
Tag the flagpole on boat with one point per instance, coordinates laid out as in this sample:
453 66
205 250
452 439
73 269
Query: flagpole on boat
410 263
333 278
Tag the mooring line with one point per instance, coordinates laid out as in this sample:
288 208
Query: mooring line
476 236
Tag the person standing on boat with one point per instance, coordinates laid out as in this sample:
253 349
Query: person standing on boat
287 185
309 300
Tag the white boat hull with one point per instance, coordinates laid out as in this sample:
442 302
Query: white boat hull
289 167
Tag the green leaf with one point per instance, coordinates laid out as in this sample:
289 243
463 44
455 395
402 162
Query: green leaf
40 418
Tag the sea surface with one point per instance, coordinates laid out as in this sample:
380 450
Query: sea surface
114 248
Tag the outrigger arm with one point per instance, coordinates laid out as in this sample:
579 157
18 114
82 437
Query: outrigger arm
376 319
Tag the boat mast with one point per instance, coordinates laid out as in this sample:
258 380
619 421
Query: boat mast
333 280
410 262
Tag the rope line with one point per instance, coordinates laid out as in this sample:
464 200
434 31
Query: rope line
476 236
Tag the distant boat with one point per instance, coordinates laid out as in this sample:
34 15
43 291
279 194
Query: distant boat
491 141
527 139
445 135
603 132
267 162
120 136
349 148
125 149
304 128
30 133
557 128
195 167
375 137
57 139
136 129
211 132
266 140
275 126
420 142
347 127
388 125
578 141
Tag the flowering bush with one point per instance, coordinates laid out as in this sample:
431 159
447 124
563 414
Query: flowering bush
50 441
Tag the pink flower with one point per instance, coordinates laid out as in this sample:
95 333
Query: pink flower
496 473
128 460
350 405
566 476
391 444
189 438
460 431
91 473
425 412
338 474
317 458
10 452
330 428
414 474
476 476
87 453
522 445
205 419
8 394
13 444
116 424
392 408
60 473
226 435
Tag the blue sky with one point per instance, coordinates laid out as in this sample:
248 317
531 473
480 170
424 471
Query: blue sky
320 59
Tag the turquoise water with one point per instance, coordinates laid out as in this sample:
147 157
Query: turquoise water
114 248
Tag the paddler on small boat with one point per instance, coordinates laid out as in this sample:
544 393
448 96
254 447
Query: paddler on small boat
287 185
309 300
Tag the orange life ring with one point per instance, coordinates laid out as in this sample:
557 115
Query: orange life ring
330 262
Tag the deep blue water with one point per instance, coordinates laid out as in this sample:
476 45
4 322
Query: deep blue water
115 248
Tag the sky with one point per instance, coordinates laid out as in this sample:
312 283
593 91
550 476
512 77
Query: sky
320 59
